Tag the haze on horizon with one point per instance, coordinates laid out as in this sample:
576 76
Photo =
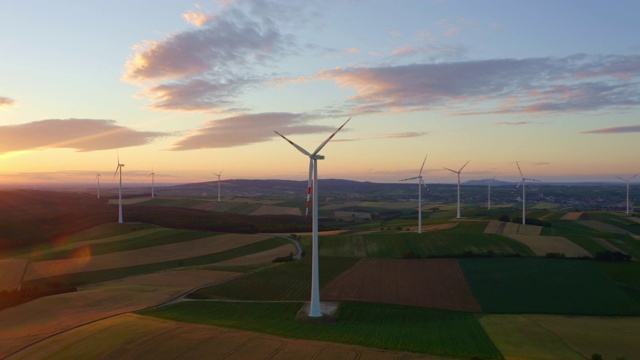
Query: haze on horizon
186 90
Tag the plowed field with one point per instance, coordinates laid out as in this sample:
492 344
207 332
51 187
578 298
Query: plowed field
11 271
437 283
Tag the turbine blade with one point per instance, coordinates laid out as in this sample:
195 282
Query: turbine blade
422 167
116 173
294 145
522 176
453 171
329 138
465 164
625 180
413 178
306 212
633 177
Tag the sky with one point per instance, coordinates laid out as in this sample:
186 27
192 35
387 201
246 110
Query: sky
186 90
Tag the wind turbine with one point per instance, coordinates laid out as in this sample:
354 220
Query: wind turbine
218 175
314 308
458 172
524 199
627 181
489 194
119 169
153 175
420 183
98 186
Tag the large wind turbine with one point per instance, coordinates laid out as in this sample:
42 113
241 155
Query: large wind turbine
522 182
98 185
420 184
218 175
627 181
314 308
153 175
119 169
458 172
489 193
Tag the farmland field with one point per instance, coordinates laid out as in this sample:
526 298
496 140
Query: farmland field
436 283
466 237
83 261
394 327
132 336
288 281
38 319
542 245
609 336
519 337
11 271
548 286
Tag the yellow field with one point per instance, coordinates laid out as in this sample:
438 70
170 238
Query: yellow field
132 336
509 228
575 215
85 262
611 337
36 320
541 245
11 271
276 210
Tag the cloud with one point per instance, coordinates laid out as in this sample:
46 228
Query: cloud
6 102
207 67
403 135
533 85
79 134
352 51
614 130
511 123
247 129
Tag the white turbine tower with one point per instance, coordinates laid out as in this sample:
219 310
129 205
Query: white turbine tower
628 181
119 169
218 175
420 184
522 182
489 193
314 307
458 173
153 175
98 184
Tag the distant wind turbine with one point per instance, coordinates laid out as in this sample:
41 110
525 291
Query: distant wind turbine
458 172
628 181
314 307
489 194
98 185
153 175
420 184
119 169
523 182
218 175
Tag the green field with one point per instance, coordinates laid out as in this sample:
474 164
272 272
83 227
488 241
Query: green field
545 286
393 327
288 281
615 220
464 239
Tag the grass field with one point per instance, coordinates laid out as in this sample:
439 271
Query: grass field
393 327
518 337
465 238
288 281
546 286
614 220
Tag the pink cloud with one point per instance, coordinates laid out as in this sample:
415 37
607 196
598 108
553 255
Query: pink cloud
6 102
79 134
615 130
352 51
247 129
